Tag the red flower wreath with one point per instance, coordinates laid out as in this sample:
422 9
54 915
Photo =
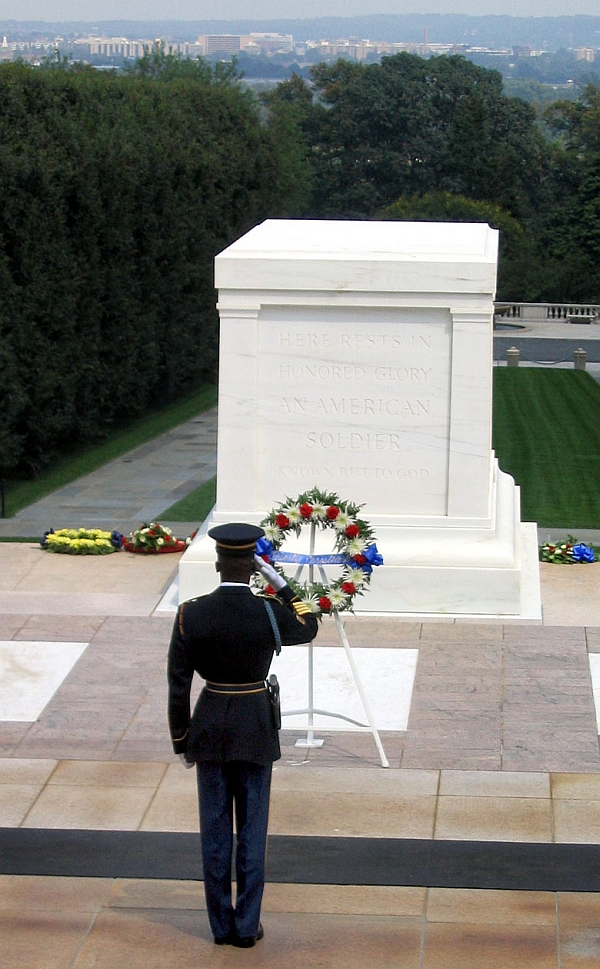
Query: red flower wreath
354 544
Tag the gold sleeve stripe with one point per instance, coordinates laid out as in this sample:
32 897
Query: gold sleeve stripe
181 620
177 740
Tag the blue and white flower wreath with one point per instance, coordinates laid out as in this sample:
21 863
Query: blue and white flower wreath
354 549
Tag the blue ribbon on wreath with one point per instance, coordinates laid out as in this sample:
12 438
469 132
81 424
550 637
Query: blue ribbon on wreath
265 547
583 553
371 557
299 559
365 560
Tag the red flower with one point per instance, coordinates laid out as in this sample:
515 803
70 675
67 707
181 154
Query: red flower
324 604
349 588
352 531
332 512
306 510
269 590
360 559
282 521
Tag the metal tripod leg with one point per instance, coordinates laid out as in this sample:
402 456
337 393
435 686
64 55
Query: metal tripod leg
310 710
361 692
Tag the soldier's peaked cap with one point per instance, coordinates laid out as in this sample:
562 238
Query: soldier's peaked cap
236 540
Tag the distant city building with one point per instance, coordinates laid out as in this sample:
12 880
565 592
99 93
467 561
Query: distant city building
108 47
272 43
252 43
585 54
219 44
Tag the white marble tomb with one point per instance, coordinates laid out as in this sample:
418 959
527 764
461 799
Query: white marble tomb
357 357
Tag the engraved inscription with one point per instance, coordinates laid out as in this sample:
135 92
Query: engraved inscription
328 372
320 371
364 401
354 440
355 406
322 472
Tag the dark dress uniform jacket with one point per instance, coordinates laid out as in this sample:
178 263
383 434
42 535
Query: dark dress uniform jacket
227 637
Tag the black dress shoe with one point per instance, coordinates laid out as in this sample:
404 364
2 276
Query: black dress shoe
225 939
247 941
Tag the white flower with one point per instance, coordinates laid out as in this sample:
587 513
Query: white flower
293 513
312 602
337 598
273 533
319 511
357 576
342 521
355 546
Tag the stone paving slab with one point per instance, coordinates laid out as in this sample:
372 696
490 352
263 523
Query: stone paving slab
329 802
509 698
55 923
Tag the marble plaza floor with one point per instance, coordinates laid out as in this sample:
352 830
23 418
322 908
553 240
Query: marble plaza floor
494 786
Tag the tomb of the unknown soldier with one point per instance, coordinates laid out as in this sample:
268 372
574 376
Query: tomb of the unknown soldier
356 357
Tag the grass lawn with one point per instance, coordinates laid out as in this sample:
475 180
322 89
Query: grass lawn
81 461
195 506
547 435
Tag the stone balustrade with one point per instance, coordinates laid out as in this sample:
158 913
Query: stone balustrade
549 312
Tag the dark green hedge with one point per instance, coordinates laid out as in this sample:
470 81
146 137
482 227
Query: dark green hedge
116 192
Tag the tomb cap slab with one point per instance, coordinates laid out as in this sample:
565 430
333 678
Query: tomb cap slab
361 256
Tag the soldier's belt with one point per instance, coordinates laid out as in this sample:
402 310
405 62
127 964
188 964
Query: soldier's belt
237 689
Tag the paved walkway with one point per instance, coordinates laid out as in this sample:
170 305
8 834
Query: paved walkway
132 489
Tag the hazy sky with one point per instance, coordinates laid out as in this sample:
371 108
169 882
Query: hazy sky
53 10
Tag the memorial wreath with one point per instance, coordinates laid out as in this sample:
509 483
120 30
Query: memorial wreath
568 553
153 539
81 541
354 548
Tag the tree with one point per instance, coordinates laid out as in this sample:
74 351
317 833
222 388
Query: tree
570 233
409 126
289 108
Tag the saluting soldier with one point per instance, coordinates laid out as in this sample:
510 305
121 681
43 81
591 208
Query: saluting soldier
228 637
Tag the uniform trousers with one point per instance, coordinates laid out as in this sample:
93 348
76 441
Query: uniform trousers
226 790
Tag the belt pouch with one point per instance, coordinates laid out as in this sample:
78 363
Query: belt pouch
273 688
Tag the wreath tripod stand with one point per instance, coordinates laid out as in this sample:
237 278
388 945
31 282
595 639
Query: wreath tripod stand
310 710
